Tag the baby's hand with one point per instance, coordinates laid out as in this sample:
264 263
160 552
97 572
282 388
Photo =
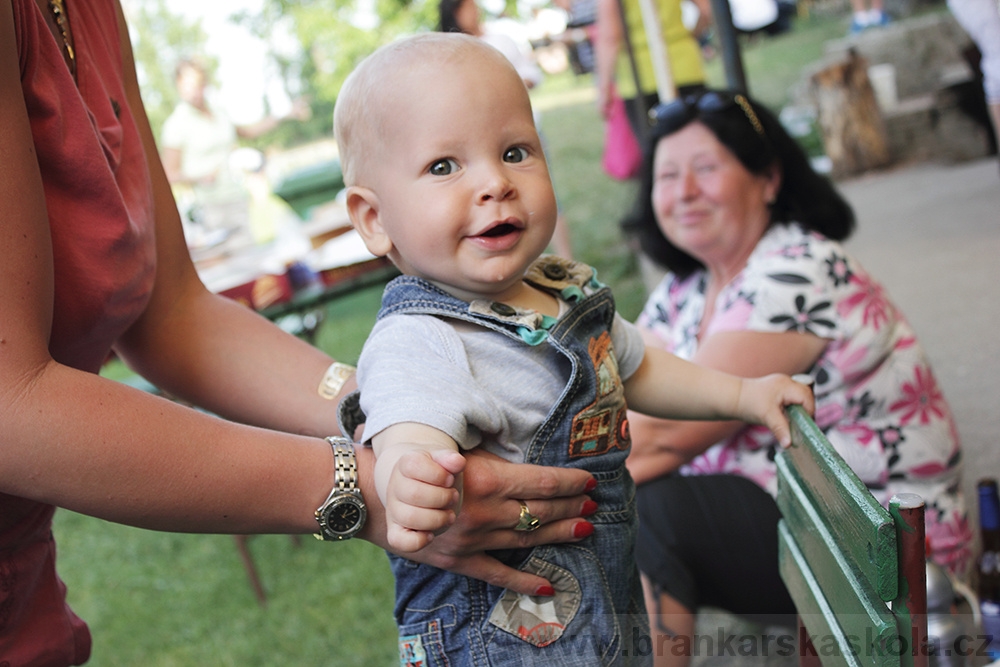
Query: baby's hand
422 498
763 401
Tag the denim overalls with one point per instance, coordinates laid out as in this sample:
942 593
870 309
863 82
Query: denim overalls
596 616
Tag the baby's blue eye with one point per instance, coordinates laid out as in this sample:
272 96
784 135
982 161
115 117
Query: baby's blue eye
444 167
515 154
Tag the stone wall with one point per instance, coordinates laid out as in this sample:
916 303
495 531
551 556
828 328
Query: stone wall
933 109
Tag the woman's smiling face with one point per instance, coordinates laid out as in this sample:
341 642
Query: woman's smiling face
706 202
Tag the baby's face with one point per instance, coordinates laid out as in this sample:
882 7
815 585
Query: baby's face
462 186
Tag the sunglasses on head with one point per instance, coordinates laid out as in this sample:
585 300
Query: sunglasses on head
687 108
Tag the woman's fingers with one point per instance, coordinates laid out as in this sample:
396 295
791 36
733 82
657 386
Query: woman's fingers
494 572
494 490
443 552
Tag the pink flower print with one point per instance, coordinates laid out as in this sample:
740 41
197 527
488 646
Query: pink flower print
806 318
716 459
859 407
838 269
829 414
949 536
794 251
735 315
891 437
931 469
752 439
870 297
861 433
922 398
850 360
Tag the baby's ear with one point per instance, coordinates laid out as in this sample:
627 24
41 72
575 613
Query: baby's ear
363 208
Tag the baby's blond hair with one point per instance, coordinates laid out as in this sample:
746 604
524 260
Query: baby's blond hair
366 100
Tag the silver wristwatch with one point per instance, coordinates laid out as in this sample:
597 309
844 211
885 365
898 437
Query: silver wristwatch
343 513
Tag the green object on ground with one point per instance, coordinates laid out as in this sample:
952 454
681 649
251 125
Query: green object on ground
308 187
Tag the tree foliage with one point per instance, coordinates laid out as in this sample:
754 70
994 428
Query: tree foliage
161 39
337 34
330 37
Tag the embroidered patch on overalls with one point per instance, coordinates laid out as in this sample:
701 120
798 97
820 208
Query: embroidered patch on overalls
535 619
602 424
411 652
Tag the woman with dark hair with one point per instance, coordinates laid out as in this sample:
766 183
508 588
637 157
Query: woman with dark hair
757 282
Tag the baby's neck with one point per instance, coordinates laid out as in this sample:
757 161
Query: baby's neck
521 295
530 297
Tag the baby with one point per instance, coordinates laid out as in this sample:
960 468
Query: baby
483 341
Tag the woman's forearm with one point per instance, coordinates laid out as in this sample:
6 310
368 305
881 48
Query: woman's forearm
661 446
98 447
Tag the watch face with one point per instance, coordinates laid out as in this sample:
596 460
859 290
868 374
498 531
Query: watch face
343 517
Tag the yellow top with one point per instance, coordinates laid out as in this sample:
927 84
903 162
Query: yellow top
682 50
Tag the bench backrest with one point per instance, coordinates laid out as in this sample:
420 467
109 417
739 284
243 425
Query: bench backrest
855 570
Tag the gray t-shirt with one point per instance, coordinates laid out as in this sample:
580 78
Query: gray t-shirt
476 385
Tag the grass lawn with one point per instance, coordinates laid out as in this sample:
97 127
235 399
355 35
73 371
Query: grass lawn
161 599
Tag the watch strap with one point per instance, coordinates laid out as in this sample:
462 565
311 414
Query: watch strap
345 480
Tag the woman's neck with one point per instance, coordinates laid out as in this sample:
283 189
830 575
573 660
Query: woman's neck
719 274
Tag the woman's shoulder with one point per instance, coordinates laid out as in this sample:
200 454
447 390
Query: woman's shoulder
789 253
794 280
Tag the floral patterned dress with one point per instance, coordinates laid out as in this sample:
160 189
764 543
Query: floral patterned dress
877 399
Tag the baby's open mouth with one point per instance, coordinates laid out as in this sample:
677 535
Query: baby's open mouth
500 230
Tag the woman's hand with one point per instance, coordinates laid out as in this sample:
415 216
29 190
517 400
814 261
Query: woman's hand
492 495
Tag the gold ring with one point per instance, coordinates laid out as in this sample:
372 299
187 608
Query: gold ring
527 522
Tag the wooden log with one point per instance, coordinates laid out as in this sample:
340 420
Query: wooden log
849 119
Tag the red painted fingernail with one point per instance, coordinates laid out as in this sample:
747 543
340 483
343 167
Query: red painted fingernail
589 507
591 485
545 591
583 529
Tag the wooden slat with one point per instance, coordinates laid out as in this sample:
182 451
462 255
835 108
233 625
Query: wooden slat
810 603
839 638
846 588
865 530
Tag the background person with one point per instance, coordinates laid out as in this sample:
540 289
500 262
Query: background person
758 283
196 144
867 14
981 19
94 262
614 68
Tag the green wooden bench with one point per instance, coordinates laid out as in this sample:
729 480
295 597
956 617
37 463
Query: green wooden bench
855 570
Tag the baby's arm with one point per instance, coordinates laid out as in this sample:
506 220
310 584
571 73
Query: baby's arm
418 478
667 386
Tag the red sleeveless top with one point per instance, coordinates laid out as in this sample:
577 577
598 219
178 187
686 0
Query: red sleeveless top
100 207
